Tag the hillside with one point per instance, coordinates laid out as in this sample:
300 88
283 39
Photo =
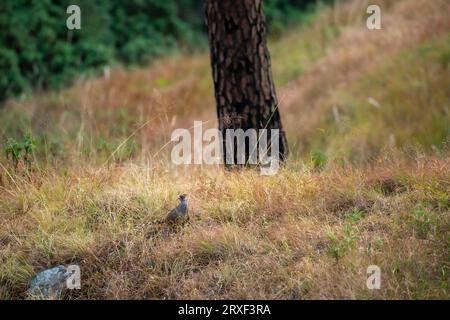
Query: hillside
367 183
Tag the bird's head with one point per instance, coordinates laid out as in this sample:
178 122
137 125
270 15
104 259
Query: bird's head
182 197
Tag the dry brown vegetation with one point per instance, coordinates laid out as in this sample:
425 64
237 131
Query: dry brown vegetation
100 176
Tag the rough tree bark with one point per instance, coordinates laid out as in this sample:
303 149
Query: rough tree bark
241 67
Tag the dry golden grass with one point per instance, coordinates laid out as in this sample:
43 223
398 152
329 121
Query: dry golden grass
300 234
100 178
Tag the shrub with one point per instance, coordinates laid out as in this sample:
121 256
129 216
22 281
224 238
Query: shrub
38 51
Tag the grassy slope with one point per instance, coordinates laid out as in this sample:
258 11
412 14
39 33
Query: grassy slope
382 199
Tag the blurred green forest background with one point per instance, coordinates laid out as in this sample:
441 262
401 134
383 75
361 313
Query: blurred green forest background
37 51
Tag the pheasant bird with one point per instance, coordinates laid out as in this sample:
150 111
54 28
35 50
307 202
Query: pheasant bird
179 213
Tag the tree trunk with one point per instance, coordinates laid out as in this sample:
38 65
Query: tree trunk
244 89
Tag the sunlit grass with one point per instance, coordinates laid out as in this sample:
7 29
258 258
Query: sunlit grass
367 182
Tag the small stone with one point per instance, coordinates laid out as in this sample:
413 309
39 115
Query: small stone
49 283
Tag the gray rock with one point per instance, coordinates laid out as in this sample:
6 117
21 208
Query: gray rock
49 283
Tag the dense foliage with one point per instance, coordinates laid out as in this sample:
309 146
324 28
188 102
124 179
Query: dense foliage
38 51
